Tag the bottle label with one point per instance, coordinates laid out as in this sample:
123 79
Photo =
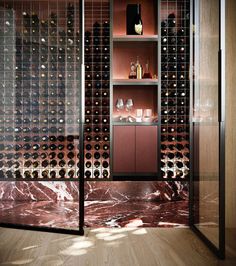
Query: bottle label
138 28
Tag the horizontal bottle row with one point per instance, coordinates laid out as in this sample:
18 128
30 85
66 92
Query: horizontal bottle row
174 120
96 102
36 174
174 160
28 146
36 130
175 128
175 102
97 147
96 155
96 174
173 111
172 93
96 164
172 67
35 112
28 102
177 138
97 76
26 62
174 58
97 59
182 76
170 31
97 111
172 49
44 138
176 146
40 155
173 40
96 85
38 164
177 173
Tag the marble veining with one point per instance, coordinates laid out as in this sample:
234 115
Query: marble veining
107 204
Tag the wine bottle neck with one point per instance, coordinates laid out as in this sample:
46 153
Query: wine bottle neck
139 9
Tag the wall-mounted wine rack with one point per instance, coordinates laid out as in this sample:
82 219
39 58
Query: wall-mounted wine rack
175 89
40 95
97 90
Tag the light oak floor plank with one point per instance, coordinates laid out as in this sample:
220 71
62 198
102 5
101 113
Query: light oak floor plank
104 246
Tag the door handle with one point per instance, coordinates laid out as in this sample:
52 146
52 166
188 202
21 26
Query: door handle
219 86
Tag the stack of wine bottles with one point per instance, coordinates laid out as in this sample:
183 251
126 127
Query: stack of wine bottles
40 95
97 95
175 89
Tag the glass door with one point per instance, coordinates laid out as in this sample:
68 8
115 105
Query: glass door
208 125
40 114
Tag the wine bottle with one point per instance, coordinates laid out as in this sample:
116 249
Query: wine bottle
27 174
171 20
62 173
62 163
105 173
45 163
71 173
179 164
170 174
134 24
105 164
87 174
96 173
105 155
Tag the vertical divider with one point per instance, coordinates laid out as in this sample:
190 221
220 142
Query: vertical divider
111 89
159 89
82 71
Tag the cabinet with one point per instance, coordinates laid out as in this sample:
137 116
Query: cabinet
135 149
135 142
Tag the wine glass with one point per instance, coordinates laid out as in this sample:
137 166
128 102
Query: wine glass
129 106
119 106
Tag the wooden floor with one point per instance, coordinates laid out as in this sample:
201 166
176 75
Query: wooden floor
123 246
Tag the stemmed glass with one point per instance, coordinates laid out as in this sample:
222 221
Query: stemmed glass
129 106
119 106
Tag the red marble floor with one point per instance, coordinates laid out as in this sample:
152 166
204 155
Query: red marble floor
107 204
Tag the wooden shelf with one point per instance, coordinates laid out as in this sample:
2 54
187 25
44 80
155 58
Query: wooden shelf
135 38
136 82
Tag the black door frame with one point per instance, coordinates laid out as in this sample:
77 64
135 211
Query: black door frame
218 251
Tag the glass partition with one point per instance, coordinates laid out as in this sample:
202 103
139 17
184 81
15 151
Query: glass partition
206 121
40 81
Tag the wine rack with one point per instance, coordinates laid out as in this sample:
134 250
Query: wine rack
97 90
40 95
175 89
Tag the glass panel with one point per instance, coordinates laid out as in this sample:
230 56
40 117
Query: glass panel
97 90
206 126
174 76
39 105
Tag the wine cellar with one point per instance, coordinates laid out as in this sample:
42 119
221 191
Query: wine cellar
100 113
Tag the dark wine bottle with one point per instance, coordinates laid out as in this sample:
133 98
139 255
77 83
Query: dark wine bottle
105 164
105 173
62 173
134 24
87 174
96 173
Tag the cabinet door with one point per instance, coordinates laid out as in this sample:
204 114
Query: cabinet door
124 149
146 149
